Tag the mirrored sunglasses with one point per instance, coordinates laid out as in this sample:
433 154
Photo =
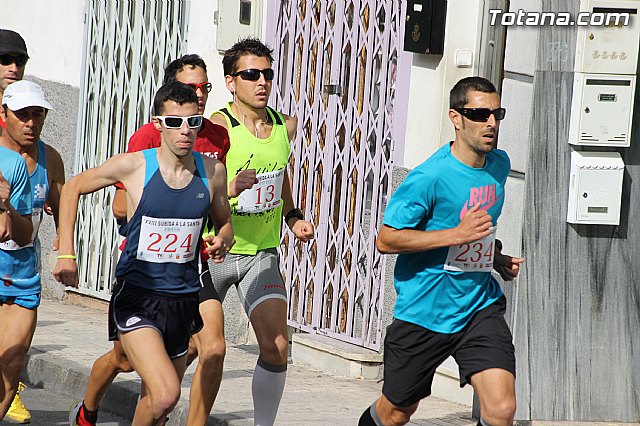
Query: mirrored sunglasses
205 86
482 114
173 122
8 59
253 74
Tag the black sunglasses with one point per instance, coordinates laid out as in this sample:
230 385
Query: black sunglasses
253 74
19 60
482 114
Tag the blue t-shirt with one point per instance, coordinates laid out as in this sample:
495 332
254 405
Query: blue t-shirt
434 196
17 280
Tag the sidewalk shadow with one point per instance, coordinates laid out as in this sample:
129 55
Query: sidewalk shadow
47 323
462 418
41 349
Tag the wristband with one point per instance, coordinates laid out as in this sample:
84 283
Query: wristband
295 212
67 256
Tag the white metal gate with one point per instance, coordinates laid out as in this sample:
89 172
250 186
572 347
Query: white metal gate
336 70
127 45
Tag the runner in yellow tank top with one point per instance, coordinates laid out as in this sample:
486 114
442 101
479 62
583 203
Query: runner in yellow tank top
256 167
257 211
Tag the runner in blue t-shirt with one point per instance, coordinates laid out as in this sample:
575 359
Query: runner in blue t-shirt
441 222
24 107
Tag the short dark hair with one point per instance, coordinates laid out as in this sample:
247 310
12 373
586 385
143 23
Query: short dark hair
172 70
175 91
247 46
458 95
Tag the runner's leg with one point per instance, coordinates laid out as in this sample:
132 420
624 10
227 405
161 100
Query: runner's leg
145 349
211 348
269 320
496 392
104 371
17 325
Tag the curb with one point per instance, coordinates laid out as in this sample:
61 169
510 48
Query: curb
63 377
60 376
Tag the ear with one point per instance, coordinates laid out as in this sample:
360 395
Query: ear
156 123
229 81
3 113
455 118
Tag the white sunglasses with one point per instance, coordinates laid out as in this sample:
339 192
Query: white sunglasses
174 122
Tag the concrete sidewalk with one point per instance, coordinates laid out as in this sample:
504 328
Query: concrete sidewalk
69 338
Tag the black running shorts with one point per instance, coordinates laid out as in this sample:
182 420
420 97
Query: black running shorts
207 289
412 353
174 316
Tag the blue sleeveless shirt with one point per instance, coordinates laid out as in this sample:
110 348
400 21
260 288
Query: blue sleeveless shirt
164 233
25 261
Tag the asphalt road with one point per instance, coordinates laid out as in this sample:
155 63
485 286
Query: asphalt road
48 408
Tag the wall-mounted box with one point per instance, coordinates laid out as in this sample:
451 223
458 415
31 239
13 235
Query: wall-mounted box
601 110
610 47
595 188
237 19
424 26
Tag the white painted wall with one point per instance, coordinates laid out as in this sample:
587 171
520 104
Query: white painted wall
201 39
517 87
432 77
54 33
517 98
55 36
522 42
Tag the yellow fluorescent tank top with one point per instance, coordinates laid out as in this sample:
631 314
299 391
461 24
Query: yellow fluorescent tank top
256 214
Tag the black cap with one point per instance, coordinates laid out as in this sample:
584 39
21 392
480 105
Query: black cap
12 42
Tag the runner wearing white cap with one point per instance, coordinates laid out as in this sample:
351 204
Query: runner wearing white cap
13 60
24 108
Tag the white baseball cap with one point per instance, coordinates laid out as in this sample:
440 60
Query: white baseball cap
23 94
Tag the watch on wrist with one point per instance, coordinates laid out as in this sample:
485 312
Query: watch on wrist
296 212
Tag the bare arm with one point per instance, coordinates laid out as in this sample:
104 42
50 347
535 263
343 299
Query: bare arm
302 229
473 226
114 170
287 196
13 225
220 212
6 231
55 170
217 118
119 204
